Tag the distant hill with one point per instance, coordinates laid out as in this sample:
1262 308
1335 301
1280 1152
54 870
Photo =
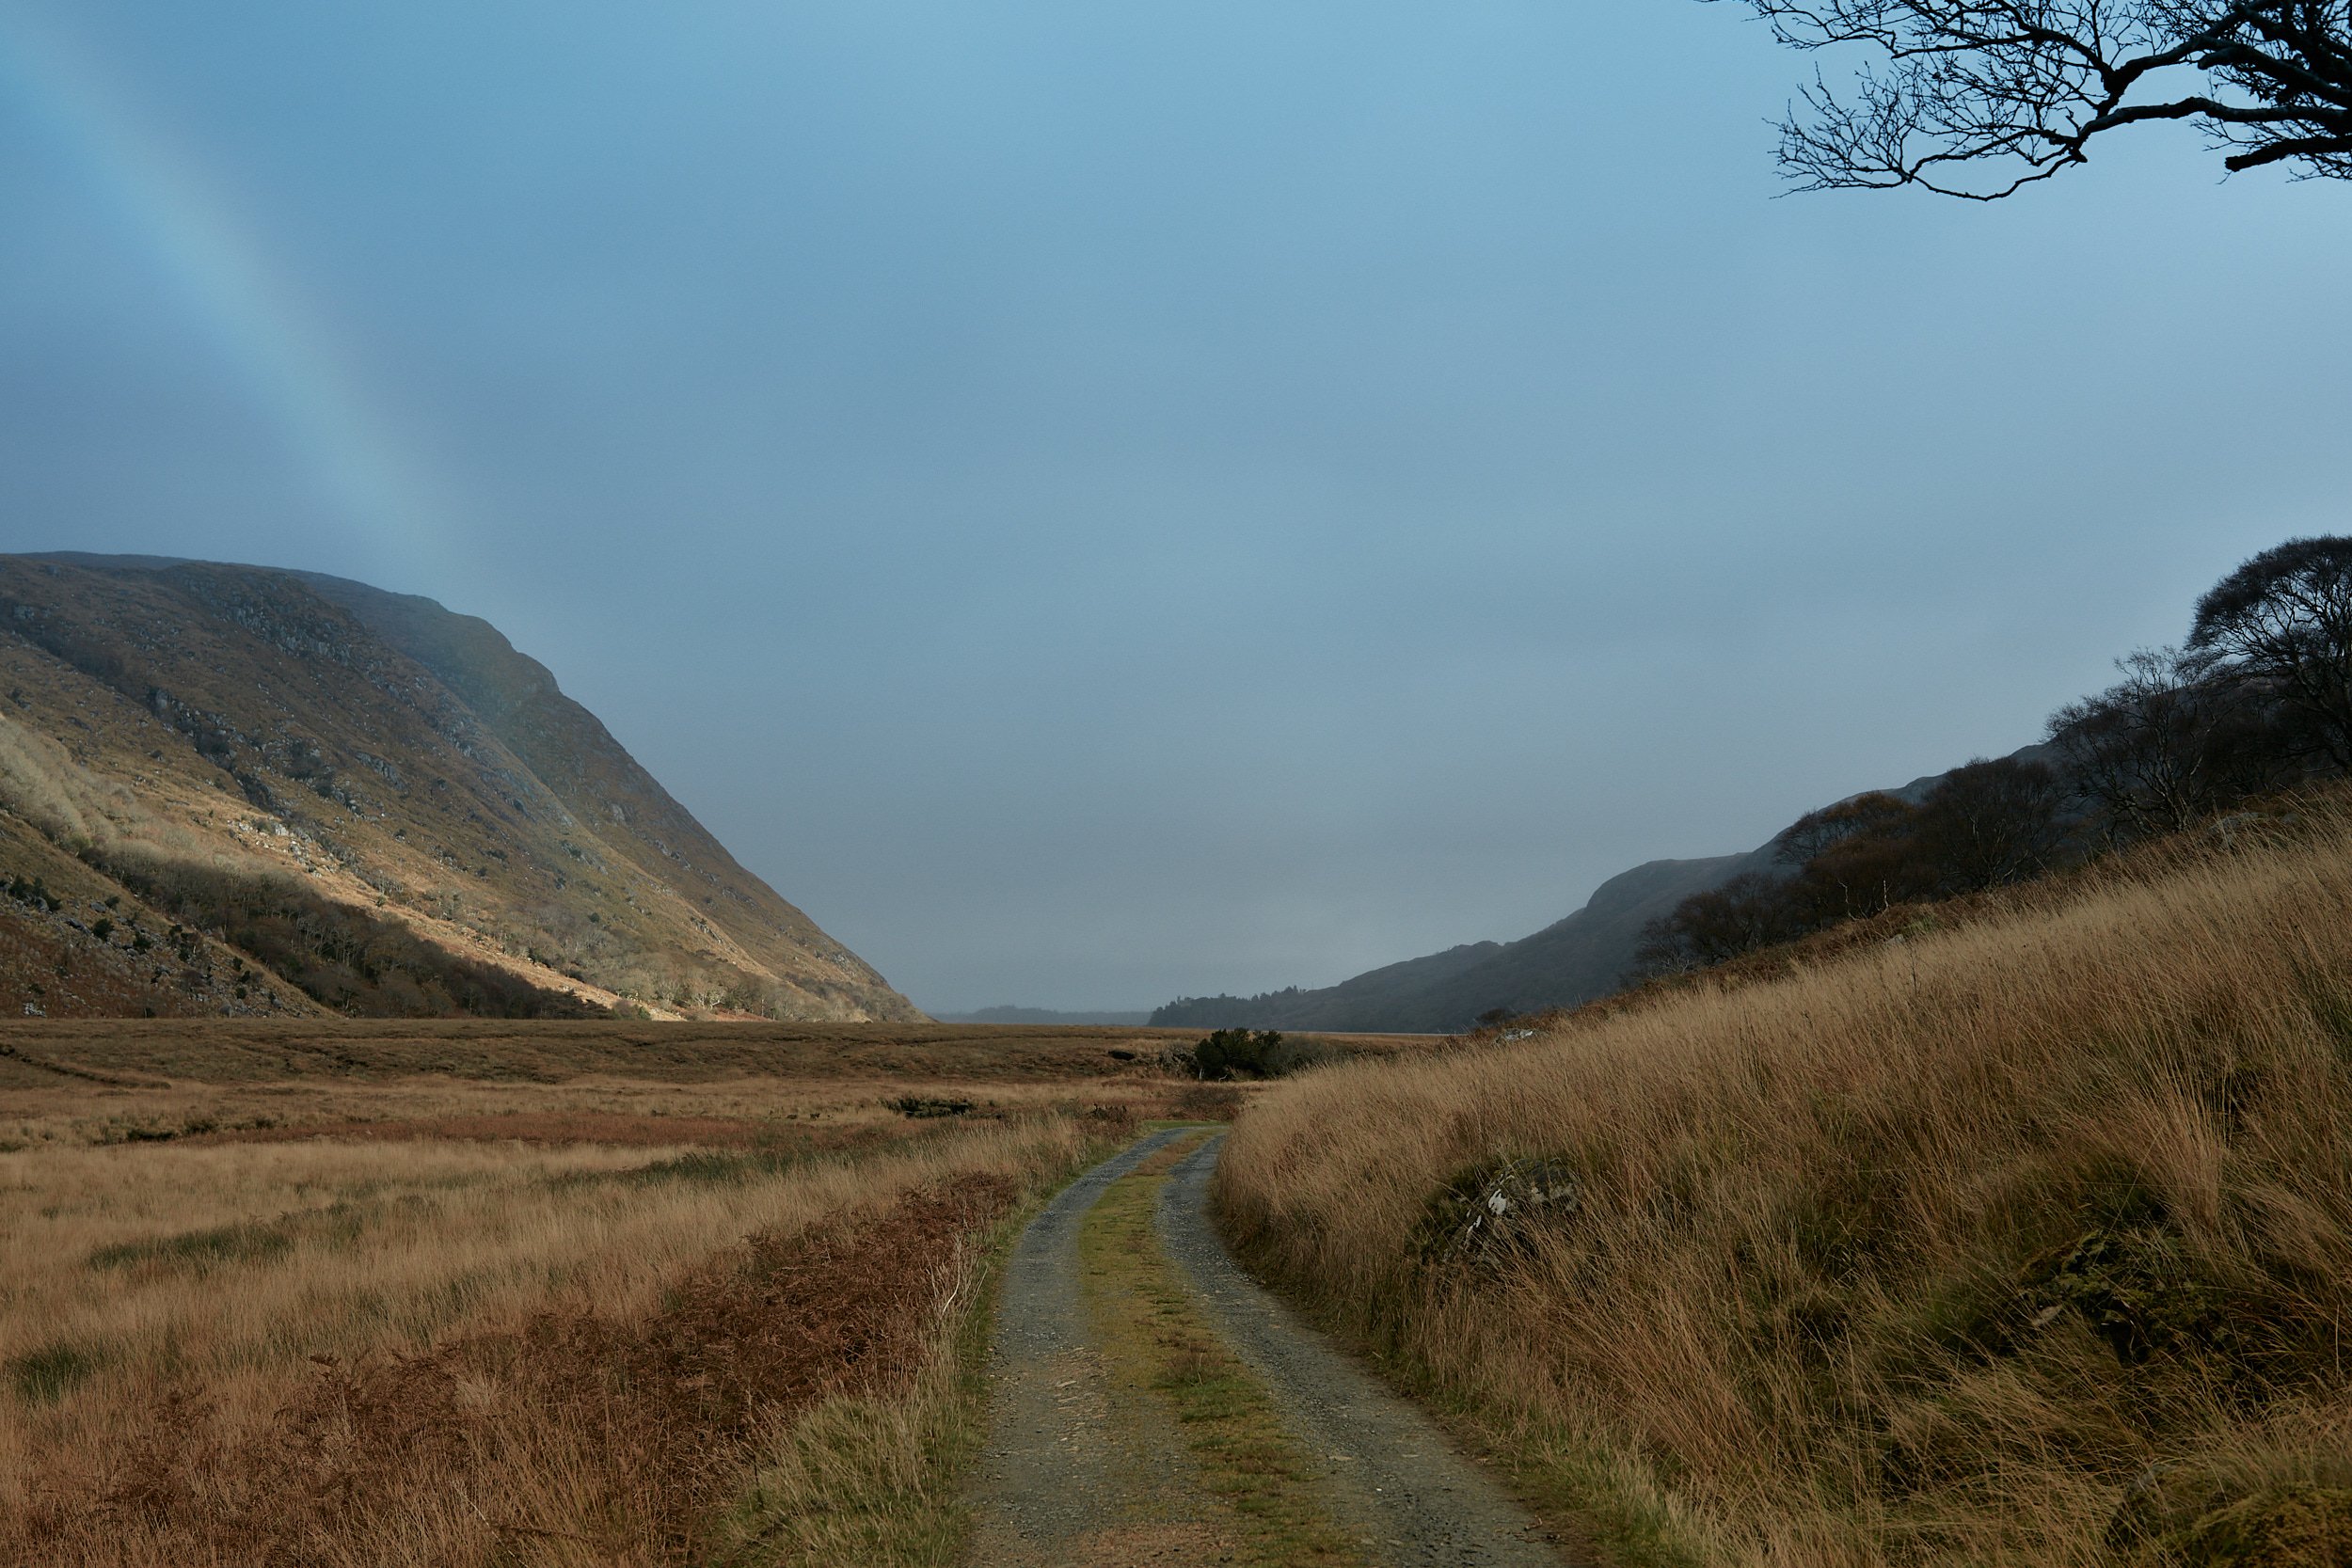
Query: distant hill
1572 960
285 792
1048 1016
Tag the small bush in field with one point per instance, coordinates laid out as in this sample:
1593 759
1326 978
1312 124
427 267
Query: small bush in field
1230 1054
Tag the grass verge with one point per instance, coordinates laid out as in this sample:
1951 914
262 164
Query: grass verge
875 1480
509 1373
2024 1242
1157 1335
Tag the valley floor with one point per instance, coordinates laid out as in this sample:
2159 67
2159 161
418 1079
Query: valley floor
378 1294
509 1295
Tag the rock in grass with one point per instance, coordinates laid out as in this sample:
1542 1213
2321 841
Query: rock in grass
1494 1206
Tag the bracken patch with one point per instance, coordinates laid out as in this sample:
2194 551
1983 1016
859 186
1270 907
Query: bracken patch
574 1429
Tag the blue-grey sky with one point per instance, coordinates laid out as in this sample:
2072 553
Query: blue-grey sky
1096 503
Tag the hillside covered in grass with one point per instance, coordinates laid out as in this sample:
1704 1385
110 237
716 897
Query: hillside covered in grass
224 789
2027 1239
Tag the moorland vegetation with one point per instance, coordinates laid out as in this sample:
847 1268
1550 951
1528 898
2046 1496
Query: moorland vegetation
2011 1228
2256 700
2026 1240
282 1292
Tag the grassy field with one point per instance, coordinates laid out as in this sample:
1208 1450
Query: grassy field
2025 1242
495 1293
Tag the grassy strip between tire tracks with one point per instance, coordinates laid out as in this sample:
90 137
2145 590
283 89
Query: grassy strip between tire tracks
877 1481
1155 1337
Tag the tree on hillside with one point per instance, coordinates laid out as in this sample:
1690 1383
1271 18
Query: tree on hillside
1991 822
1983 825
1817 831
1861 871
2283 620
1748 911
2260 700
1979 97
2171 744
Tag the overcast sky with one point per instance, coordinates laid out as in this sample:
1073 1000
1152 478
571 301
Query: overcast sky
1096 503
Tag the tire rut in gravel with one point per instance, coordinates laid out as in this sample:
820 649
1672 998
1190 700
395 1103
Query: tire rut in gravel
1392 1476
1078 1472
1075 1475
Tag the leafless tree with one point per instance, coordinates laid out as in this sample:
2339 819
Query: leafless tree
1817 833
2142 753
2181 737
1981 98
1991 822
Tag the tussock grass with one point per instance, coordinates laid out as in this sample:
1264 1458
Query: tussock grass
876 1480
1924 1254
359 1352
870 1479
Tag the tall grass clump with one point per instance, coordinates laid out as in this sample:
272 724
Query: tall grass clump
2025 1242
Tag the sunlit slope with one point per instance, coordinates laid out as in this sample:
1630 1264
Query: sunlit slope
2029 1240
189 731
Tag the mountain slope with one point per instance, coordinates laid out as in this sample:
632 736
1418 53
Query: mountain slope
1580 957
382 800
1568 961
1368 1000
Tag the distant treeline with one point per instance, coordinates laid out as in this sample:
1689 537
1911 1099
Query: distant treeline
2257 699
1221 1012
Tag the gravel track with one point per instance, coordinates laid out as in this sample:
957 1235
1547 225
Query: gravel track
1391 1474
1073 1475
1080 1473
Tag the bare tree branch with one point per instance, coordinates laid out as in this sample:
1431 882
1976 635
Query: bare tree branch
1979 99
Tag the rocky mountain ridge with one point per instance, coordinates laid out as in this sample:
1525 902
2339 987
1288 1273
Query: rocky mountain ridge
373 804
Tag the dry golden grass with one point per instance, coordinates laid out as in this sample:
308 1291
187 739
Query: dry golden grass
354 1316
736 1112
1920 1254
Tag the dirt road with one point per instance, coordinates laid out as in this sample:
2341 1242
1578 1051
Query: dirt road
1088 1466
